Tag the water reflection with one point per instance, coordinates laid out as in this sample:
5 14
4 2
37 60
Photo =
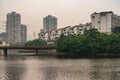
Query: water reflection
48 73
37 68
105 70
14 72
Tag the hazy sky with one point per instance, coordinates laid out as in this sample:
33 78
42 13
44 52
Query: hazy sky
68 12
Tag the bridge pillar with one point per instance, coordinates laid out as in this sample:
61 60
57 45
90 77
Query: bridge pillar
36 51
5 52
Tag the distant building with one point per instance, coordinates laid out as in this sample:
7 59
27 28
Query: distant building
105 21
23 32
13 28
49 23
15 31
2 36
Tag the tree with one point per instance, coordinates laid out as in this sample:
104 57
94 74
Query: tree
116 29
35 42
91 43
91 33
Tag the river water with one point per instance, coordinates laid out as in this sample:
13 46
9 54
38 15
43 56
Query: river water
22 67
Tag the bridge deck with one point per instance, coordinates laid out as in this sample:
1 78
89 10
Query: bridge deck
28 47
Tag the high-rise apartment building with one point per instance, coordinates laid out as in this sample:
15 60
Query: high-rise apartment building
49 23
13 28
105 21
23 33
15 32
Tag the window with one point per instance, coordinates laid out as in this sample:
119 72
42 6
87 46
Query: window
81 30
93 17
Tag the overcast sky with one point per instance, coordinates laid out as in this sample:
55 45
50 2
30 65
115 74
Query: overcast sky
68 12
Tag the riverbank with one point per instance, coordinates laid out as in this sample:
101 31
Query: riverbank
64 55
99 56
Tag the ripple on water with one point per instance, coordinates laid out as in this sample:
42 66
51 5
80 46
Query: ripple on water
37 68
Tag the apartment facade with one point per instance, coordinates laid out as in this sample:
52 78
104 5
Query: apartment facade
105 21
13 28
55 34
49 23
23 33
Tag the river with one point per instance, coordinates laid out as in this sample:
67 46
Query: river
23 67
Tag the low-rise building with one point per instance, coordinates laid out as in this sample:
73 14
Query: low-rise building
47 36
55 34
75 29
41 36
67 30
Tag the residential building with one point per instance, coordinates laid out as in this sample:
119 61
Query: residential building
105 21
41 36
55 34
13 28
2 36
23 33
59 32
47 36
49 23
79 29
67 31
75 29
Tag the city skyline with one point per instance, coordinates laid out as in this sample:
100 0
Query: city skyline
68 12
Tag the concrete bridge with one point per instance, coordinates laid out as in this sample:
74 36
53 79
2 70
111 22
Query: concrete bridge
36 48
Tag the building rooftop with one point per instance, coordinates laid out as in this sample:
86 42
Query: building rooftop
104 13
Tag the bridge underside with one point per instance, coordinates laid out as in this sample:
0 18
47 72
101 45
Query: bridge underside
36 48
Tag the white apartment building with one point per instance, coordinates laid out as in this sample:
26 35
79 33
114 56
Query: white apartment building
105 21
55 34
59 32
67 30
79 29
47 36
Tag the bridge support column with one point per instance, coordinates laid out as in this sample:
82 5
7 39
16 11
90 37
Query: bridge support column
5 52
36 50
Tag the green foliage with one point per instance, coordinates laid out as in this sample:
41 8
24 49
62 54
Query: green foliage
116 29
91 43
35 42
